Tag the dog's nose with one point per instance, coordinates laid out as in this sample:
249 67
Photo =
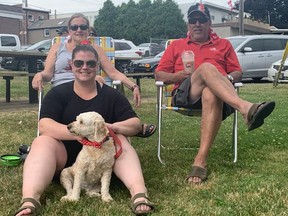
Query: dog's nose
69 126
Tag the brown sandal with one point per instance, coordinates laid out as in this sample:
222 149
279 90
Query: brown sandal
146 202
199 172
257 114
34 209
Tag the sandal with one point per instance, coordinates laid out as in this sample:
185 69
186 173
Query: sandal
147 130
34 209
146 202
257 114
199 172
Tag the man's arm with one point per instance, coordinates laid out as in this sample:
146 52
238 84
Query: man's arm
237 76
171 78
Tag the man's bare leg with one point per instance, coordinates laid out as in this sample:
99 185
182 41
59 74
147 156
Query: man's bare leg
210 124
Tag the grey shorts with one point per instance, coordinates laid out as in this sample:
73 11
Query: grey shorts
181 99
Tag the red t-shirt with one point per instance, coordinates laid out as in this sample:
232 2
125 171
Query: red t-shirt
217 51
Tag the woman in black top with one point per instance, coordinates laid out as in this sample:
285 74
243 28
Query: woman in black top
56 148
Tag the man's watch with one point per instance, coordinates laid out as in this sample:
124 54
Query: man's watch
230 78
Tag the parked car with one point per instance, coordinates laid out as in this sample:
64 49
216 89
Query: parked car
145 48
125 52
9 42
144 65
257 52
273 71
15 63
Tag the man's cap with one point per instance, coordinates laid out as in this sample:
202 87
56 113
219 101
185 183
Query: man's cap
198 8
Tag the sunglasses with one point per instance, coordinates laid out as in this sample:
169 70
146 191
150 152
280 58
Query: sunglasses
201 20
75 27
80 63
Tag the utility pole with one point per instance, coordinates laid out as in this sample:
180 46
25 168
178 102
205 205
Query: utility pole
241 17
25 5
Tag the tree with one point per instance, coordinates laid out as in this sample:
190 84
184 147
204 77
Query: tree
141 21
273 12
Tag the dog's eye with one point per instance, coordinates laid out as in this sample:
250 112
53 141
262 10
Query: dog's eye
81 122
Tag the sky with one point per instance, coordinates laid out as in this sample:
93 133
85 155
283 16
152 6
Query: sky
72 6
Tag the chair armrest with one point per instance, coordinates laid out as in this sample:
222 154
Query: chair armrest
238 84
117 84
159 83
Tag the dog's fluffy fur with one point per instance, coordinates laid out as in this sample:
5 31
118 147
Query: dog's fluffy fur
93 167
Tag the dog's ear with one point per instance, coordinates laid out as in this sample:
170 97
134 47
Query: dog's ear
101 129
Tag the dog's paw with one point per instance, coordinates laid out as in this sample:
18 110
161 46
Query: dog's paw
93 193
69 199
107 198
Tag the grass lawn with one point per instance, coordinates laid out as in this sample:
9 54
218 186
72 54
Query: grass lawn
255 185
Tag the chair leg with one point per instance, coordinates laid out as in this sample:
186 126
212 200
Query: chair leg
159 119
235 135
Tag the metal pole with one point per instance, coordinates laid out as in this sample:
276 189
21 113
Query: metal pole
241 17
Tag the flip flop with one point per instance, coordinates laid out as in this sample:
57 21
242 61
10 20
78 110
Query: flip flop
258 112
34 209
199 172
146 202
147 130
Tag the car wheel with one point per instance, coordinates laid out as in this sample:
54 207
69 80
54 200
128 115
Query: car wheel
23 66
257 79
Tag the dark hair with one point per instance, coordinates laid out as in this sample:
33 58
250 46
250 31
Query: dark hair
77 15
92 32
62 30
84 48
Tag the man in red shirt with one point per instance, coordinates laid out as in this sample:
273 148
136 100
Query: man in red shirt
209 85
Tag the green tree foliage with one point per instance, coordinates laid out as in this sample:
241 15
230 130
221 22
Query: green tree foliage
273 12
141 21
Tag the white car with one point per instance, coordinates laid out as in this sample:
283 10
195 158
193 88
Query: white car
273 71
125 52
145 48
126 49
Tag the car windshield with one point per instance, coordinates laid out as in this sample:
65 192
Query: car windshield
236 41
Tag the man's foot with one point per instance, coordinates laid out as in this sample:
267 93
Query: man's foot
257 113
140 204
197 175
29 206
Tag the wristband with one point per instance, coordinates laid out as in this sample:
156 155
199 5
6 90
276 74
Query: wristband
133 87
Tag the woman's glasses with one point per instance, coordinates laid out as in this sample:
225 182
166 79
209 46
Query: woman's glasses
83 27
201 20
80 63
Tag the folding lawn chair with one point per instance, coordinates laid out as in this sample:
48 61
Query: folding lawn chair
164 92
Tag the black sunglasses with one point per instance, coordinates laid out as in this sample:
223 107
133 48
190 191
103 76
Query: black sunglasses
82 27
201 20
80 63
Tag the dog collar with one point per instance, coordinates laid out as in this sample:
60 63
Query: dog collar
86 142
117 142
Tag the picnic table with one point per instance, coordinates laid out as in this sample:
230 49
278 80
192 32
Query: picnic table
31 58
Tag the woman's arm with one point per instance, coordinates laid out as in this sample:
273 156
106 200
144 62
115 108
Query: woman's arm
129 127
114 74
47 74
51 128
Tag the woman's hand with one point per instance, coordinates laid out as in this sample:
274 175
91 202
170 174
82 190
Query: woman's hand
136 97
37 82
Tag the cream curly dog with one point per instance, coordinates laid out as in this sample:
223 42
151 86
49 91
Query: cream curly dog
93 166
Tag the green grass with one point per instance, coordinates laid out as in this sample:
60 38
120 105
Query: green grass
255 185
